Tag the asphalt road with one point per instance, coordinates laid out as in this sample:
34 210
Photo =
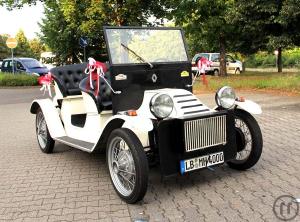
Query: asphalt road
71 185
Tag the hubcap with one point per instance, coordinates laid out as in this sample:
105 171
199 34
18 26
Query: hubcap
244 141
121 166
41 129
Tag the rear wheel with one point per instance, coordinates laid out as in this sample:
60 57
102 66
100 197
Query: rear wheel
45 141
249 141
237 71
127 164
216 72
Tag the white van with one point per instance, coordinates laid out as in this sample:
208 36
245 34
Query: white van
232 66
48 59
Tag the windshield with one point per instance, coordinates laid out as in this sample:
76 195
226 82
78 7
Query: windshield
206 55
32 63
152 45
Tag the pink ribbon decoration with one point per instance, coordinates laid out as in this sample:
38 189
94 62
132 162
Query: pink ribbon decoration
46 81
202 64
96 70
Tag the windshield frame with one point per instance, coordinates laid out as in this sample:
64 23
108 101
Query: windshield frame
149 28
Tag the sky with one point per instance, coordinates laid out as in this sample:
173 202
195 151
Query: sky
26 18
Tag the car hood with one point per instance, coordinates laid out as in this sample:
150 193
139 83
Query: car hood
239 62
39 70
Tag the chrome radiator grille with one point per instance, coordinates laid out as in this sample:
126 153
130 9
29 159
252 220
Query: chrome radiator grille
203 133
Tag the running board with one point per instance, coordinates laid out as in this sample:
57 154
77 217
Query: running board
79 144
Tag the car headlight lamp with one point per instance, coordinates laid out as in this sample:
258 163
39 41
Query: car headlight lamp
161 105
225 97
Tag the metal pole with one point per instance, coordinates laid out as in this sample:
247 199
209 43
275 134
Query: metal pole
84 56
12 59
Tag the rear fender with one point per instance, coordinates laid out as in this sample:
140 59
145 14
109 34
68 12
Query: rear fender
51 115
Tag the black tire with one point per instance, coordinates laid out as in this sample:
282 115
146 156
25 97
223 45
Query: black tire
216 72
256 138
48 145
237 71
140 163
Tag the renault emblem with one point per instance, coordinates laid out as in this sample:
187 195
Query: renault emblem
154 78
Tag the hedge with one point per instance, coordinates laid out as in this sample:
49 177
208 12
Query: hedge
9 79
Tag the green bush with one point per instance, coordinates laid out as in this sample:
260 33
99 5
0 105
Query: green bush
290 58
8 79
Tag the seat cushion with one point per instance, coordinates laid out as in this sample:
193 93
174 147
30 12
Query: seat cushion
103 100
68 78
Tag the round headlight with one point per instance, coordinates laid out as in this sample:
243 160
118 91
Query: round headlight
161 105
225 97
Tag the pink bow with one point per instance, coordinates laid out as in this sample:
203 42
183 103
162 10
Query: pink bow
95 69
46 81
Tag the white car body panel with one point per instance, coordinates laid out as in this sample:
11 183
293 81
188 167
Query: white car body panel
249 106
141 124
178 112
52 117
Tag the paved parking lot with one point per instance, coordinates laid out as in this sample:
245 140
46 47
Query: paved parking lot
71 185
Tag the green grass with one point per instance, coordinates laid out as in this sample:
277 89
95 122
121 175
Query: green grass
283 82
8 79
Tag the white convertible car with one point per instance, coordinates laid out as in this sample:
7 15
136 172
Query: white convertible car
145 113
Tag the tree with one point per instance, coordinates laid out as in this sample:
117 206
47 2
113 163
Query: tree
67 20
36 47
4 50
267 25
23 49
58 34
206 25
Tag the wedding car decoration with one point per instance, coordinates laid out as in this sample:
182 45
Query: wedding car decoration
139 109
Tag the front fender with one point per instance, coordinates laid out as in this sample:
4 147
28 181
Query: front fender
249 106
51 115
139 125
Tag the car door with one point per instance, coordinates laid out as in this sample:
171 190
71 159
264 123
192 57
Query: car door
230 64
6 66
20 67
215 59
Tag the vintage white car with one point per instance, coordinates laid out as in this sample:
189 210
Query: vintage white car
146 113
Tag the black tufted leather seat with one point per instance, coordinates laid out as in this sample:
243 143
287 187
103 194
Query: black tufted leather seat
68 78
103 99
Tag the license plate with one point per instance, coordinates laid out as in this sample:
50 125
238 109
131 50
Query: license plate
201 162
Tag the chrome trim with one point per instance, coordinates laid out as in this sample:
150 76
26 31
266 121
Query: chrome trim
73 145
203 133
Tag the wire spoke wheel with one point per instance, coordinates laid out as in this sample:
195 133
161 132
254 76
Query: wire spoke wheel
45 141
245 140
248 140
127 164
121 166
41 130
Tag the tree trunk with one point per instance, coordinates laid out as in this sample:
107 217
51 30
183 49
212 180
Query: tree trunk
279 59
222 56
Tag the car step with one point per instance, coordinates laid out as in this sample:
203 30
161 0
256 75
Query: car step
79 144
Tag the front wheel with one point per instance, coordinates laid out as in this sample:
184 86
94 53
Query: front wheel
249 141
127 164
